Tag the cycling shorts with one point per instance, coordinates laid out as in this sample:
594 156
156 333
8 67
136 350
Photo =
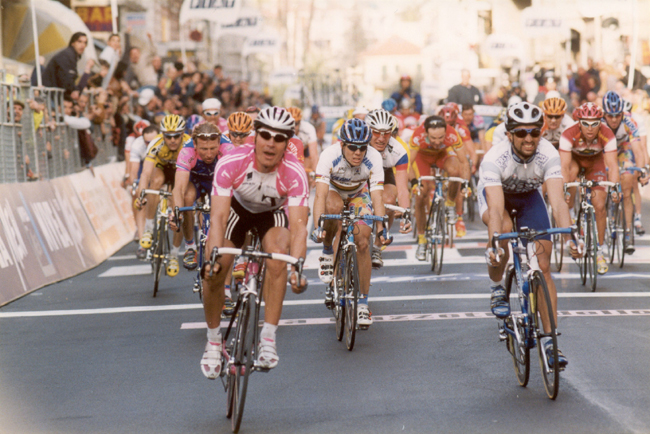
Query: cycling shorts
203 186
360 200
241 221
529 208
594 167
626 159
389 176
423 162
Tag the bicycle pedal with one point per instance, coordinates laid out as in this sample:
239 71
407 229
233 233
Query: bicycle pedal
196 288
363 327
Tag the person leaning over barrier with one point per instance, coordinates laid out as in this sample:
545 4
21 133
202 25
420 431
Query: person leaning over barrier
61 71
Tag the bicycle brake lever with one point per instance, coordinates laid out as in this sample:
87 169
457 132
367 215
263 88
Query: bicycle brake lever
213 260
177 219
495 246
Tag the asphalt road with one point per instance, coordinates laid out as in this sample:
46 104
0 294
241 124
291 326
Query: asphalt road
97 354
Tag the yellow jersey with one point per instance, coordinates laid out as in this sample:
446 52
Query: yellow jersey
160 154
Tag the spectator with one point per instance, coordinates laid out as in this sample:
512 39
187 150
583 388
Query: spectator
218 72
463 93
156 63
595 73
19 106
406 90
130 75
62 69
97 79
316 119
111 54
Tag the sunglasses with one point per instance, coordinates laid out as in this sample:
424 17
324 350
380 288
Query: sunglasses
211 113
554 116
436 124
238 135
588 124
208 136
523 132
380 133
277 137
173 136
355 148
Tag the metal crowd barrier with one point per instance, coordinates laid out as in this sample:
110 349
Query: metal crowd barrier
41 145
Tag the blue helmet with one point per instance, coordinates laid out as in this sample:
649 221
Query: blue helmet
612 103
389 105
355 131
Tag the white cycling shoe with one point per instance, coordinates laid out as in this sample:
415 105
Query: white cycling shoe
326 268
267 353
211 360
364 316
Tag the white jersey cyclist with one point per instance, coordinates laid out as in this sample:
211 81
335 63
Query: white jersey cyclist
236 175
394 154
334 169
499 135
501 166
553 136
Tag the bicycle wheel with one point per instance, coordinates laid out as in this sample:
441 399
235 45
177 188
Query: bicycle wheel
610 230
158 254
244 357
582 262
558 247
621 226
518 348
550 373
339 298
592 242
351 293
439 235
413 222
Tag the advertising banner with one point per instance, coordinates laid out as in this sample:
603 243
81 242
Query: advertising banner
97 18
222 11
247 23
13 251
111 175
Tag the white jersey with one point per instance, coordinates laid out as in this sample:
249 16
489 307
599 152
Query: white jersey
138 150
553 136
333 169
640 121
499 135
394 154
307 133
501 166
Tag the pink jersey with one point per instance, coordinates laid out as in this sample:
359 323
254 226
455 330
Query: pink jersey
258 192
223 125
297 148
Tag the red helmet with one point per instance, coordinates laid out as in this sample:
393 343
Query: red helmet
589 110
449 113
454 106
139 126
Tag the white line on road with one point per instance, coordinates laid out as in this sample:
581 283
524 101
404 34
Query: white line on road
172 307
121 257
435 317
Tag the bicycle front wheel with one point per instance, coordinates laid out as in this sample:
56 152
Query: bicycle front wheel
582 262
621 227
158 254
592 242
339 294
518 348
438 238
351 293
558 247
550 371
243 352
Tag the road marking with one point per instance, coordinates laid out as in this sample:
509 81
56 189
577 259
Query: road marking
121 257
435 317
318 301
127 270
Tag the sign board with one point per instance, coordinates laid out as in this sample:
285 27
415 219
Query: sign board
136 20
97 18
222 11
542 21
501 46
265 43
247 23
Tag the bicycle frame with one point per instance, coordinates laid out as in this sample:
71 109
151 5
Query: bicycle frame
201 230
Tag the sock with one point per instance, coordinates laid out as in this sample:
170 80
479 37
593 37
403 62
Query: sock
328 250
268 331
190 245
495 285
148 225
175 251
422 239
363 299
227 290
214 335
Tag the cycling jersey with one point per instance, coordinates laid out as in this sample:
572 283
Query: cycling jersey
499 134
626 132
394 155
408 121
333 169
553 136
420 141
138 150
501 166
307 133
463 131
640 123
572 140
129 142
236 176
189 161
297 148
226 145
160 154
489 134
478 124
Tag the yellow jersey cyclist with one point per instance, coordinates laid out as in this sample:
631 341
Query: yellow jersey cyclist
160 169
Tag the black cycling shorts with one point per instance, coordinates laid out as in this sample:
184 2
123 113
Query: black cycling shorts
241 221
169 171
389 176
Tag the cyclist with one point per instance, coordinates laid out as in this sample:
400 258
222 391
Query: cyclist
510 180
395 163
194 172
138 128
499 134
643 136
489 134
591 146
476 126
453 119
349 174
240 128
306 132
435 143
555 120
629 153
251 185
212 113
159 169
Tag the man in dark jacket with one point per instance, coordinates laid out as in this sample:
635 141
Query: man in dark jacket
464 93
406 91
62 69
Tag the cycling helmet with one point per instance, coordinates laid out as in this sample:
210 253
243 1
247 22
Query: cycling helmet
524 113
454 106
589 110
240 122
211 104
612 103
277 119
380 120
389 105
296 113
449 112
355 131
139 126
554 106
394 122
193 121
172 124
627 105
514 99
575 113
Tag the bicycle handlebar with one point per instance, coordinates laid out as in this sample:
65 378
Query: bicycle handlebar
532 234
590 184
349 214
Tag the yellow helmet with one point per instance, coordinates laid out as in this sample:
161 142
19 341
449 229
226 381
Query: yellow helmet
240 122
172 124
554 106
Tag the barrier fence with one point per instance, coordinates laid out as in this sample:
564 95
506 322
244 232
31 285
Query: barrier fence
36 143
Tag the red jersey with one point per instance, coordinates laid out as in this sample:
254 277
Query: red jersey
572 140
420 140
297 148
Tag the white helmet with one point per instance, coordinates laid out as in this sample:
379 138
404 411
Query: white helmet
524 113
380 120
277 119
514 99
211 104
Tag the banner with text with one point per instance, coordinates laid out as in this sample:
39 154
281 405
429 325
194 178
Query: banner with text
222 11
